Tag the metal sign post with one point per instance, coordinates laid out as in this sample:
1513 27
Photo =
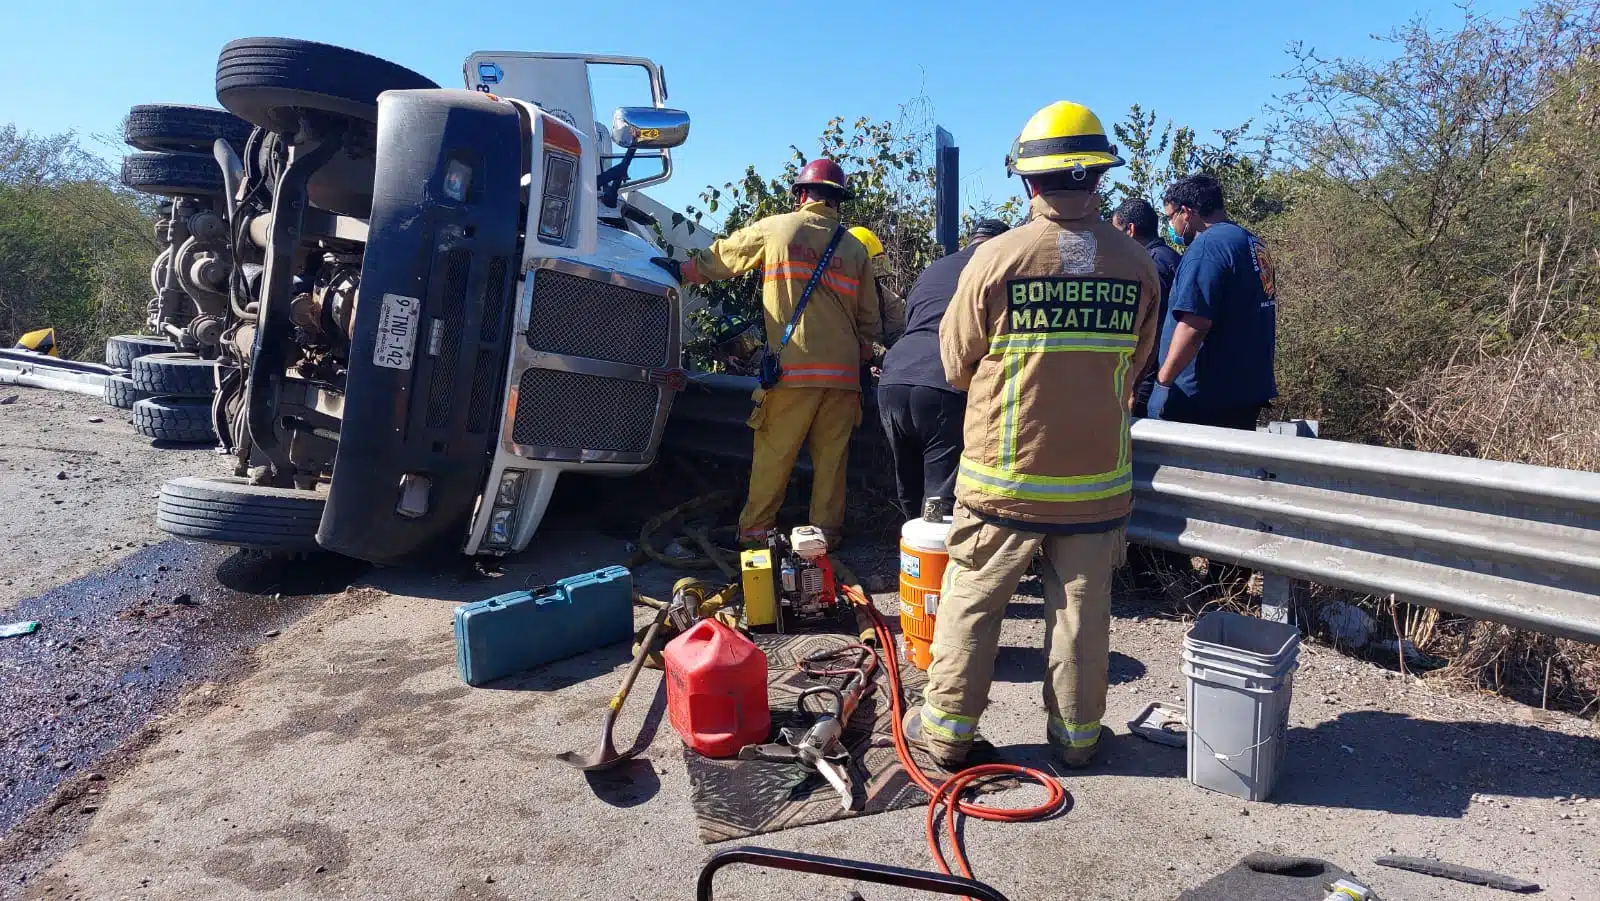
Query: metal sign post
947 190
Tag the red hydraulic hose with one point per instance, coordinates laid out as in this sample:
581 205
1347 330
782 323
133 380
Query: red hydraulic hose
948 793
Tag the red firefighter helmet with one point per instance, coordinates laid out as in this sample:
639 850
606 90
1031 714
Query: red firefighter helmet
823 171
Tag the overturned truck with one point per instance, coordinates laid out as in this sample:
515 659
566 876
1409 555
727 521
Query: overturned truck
439 300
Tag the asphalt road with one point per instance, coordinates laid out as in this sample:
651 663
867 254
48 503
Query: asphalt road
344 758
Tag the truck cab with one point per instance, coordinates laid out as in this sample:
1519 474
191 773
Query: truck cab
454 301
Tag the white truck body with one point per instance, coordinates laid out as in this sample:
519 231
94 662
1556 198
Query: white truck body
557 87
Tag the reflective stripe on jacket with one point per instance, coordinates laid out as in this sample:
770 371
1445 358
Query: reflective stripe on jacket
1049 327
842 314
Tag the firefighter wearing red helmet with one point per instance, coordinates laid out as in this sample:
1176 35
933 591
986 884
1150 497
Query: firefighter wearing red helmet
816 394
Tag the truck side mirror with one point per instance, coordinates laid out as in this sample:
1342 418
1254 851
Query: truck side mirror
649 127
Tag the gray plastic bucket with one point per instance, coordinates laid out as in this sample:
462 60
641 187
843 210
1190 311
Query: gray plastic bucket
1240 681
1248 639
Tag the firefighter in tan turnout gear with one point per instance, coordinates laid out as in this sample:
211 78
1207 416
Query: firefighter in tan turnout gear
1048 330
819 347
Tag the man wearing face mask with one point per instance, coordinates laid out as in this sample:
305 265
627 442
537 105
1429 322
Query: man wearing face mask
1136 218
1220 333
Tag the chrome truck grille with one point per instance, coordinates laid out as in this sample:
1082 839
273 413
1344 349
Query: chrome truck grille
586 411
590 372
579 317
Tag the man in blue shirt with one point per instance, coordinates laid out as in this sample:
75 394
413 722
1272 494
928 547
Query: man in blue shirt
1136 218
1220 334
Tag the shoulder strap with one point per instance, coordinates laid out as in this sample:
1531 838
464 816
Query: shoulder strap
805 296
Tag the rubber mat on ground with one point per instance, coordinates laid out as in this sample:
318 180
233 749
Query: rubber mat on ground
740 798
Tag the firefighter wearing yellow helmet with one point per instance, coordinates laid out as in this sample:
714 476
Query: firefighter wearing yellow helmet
891 306
1049 326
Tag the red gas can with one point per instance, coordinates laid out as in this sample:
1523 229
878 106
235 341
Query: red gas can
717 689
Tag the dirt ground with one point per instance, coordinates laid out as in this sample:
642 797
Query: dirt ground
347 759
78 493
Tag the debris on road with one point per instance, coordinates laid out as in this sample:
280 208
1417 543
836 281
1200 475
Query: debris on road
1458 873
15 630
9 399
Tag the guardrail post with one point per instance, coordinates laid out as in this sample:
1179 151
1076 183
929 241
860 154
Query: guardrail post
1300 428
1277 596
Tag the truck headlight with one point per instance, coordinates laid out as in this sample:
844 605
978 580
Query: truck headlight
501 524
510 488
560 187
457 180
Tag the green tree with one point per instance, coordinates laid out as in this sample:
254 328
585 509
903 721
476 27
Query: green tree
1443 207
75 247
1157 157
890 166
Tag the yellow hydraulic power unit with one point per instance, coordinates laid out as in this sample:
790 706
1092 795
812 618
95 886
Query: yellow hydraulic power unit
760 598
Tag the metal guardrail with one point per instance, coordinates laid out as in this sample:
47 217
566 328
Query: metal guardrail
1498 541
34 370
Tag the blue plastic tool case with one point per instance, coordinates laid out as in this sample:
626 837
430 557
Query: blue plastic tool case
523 629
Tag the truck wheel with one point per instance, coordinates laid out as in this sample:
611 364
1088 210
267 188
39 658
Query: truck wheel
232 511
181 374
264 81
174 127
122 350
170 174
122 393
180 420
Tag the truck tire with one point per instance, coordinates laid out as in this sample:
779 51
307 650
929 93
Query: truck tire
172 174
180 420
179 374
122 350
234 512
174 127
265 80
122 393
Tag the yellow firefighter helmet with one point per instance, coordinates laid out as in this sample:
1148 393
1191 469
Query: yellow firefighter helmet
868 240
1062 137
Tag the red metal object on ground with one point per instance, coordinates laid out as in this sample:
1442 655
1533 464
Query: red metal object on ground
717 689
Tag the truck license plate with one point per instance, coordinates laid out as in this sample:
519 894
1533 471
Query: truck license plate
397 331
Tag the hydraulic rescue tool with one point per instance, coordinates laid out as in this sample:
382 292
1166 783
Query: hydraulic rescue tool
820 748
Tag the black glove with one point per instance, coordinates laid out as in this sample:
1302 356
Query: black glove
673 267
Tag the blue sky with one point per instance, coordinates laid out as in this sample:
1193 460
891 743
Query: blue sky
754 78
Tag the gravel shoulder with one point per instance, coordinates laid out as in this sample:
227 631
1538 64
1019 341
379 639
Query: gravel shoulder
78 494
353 762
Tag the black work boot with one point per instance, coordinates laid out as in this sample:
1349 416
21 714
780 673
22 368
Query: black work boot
949 757
1079 757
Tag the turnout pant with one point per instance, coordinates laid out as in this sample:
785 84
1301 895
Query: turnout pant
923 426
784 419
986 562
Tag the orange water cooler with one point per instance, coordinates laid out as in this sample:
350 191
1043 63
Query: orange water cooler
922 561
